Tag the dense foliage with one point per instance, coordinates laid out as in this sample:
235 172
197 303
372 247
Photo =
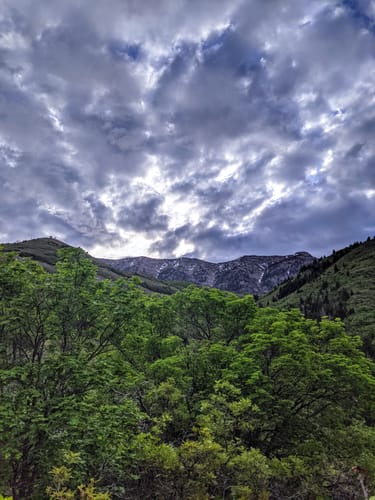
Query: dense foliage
108 392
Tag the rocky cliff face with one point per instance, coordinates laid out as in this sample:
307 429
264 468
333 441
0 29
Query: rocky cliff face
248 274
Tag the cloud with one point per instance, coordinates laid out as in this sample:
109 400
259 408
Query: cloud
226 128
143 216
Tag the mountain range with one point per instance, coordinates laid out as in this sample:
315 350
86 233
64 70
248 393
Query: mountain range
248 274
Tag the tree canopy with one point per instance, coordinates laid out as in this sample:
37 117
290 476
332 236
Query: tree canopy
109 392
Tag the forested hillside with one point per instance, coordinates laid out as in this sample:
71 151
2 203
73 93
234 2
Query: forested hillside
109 392
341 285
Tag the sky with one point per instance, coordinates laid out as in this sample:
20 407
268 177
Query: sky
201 128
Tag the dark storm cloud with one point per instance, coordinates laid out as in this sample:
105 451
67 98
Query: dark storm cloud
211 128
171 239
343 213
143 216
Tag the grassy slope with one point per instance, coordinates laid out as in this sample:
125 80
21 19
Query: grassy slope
44 250
341 285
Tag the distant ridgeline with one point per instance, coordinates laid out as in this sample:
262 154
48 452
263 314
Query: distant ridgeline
248 274
253 274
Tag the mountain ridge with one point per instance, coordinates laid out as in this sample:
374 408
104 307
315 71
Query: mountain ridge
252 274
247 274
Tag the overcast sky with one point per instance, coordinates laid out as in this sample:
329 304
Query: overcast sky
207 128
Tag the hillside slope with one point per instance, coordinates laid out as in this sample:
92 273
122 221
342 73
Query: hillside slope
341 285
248 274
44 250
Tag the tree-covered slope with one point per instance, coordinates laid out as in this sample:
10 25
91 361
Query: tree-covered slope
107 392
341 285
44 251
